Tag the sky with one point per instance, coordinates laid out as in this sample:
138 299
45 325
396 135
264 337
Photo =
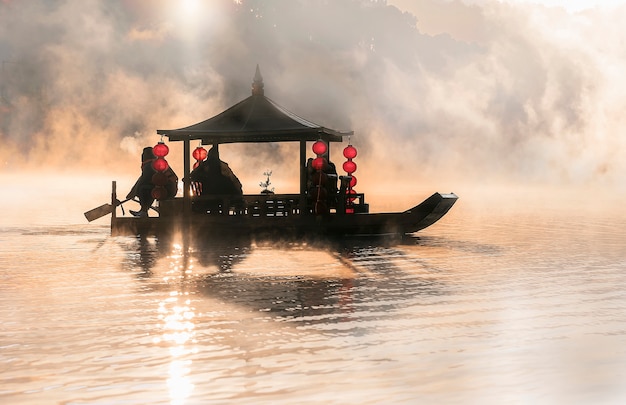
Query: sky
574 5
435 90
570 5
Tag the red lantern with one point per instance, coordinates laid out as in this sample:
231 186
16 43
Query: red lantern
160 165
318 163
351 195
195 165
199 153
349 152
159 179
160 150
159 193
349 166
319 148
353 181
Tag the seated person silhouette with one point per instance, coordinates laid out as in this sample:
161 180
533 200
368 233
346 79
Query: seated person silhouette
215 178
142 189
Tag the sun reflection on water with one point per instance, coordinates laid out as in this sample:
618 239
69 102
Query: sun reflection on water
178 332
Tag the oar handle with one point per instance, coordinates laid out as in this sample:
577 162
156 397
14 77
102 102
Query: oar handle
118 202
137 200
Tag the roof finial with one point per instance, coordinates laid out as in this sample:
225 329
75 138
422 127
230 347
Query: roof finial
257 83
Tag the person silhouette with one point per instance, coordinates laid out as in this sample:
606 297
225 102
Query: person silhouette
216 177
142 189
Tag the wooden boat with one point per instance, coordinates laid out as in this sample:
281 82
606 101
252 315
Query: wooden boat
257 119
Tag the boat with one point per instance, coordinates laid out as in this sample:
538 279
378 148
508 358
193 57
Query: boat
313 211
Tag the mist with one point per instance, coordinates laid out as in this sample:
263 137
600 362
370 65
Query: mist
445 93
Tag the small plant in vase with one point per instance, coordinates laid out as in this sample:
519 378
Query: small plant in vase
265 185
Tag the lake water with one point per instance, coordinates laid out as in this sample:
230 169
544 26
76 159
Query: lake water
511 298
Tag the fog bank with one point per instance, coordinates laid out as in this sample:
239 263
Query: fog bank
443 93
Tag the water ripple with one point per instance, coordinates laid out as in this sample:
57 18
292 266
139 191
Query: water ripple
528 306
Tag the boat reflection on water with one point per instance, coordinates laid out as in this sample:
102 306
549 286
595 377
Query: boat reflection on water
143 253
290 280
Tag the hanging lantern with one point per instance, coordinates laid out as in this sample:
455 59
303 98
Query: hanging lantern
318 163
159 193
318 192
160 164
319 147
351 195
159 179
160 150
349 167
349 152
352 181
199 154
195 165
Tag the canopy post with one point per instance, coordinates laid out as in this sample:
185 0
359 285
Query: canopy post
186 178
113 204
303 176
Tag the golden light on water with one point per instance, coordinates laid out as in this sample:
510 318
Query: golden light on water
178 333
177 330
180 387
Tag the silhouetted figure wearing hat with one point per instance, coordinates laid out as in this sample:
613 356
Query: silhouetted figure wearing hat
214 177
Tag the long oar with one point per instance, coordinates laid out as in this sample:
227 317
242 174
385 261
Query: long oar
102 210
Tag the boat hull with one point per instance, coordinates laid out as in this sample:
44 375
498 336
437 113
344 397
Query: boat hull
415 219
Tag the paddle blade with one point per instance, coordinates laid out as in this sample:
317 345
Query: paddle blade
98 212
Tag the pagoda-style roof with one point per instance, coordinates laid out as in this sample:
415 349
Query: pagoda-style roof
254 119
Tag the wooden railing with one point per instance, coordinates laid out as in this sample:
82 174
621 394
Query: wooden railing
252 205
